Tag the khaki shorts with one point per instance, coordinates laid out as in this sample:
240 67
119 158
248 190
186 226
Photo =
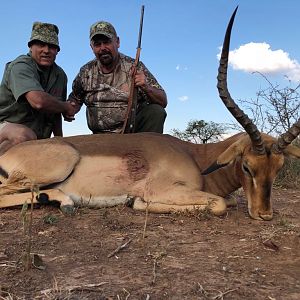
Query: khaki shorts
2 124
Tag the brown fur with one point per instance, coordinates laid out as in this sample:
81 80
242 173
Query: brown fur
161 173
137 165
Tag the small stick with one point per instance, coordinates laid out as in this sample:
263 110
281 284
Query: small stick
119 248
88 287
146 221
8 264
222 294
154 271
202 290
128 294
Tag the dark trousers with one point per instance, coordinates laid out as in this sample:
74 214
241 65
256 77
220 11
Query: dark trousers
150 118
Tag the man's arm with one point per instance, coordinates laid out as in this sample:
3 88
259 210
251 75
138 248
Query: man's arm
155 95
57 128
77 94
43 101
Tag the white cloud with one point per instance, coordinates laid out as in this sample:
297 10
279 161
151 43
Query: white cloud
260 57
183 98
179 67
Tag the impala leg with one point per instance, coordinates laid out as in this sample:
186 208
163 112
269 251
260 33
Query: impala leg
232 199
16 199
231 202
66 203
189 200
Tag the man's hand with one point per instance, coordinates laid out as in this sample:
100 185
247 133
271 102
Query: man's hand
140 80
71 110
69 118
155 95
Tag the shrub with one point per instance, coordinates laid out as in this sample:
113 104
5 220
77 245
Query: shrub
289 175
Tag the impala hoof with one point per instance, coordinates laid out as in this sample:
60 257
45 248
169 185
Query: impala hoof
266 217
68 210
43 198
130 201
218 206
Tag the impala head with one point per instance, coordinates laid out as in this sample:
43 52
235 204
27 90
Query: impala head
259 156
257 174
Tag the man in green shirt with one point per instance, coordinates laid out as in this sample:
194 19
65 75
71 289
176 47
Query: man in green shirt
33 91
103 85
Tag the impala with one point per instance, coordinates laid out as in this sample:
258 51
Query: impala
153 172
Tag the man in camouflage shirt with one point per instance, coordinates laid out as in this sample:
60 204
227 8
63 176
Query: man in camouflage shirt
33 91
103 86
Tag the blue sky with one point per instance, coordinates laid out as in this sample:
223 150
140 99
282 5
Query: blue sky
180 46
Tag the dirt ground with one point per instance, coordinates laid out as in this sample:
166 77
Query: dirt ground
111 254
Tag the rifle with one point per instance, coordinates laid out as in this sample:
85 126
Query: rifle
129 123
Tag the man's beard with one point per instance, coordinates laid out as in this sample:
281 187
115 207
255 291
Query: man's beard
106 59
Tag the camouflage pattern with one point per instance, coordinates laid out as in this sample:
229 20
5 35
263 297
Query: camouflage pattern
103 28
106 95
44 32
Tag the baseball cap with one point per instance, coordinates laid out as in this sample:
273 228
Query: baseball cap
103 28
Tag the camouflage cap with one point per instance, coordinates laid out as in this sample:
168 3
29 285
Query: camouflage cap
103 28
44 32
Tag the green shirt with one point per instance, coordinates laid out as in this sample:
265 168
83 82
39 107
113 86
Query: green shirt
21 76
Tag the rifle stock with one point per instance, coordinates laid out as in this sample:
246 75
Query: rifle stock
129 122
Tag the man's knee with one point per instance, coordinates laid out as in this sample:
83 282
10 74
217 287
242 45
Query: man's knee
157 111
17 139
13 134
23 135
151 118
16 133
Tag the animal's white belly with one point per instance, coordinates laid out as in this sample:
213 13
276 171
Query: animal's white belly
98 201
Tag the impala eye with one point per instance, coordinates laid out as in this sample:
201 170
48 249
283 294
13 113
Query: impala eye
247 170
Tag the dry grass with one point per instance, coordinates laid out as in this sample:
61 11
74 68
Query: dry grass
289 175
197 213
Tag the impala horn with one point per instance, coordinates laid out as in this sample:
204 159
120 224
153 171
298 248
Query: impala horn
286 138
238 114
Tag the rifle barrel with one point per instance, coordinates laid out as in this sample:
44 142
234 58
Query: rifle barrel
141 26
129 123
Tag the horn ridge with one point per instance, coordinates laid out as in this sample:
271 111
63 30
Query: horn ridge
224 94
286 138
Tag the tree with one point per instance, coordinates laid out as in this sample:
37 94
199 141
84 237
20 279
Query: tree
200 132
275 109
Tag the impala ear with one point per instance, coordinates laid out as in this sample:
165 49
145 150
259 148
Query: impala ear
228 156
215 166
292 151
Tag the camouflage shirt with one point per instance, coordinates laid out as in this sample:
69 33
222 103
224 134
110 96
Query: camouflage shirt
106 95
